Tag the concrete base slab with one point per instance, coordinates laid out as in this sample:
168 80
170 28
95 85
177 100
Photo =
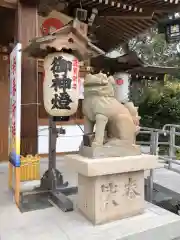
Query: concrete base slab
111 188
106 166
155 223
52 223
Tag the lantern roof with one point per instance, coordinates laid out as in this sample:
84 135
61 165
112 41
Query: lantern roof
71 38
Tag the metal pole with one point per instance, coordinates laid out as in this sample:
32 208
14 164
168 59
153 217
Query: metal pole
154 143
151 186
52 143
52 180
153 151
52 153
171 145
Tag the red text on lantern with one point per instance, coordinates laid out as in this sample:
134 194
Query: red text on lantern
75 73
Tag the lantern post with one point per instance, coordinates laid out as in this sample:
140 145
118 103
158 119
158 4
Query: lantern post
62 51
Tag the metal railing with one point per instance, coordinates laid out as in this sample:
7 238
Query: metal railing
171 131
172 145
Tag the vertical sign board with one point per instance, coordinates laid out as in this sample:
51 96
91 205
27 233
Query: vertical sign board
15 106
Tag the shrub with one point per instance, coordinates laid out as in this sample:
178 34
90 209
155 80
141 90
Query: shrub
160 105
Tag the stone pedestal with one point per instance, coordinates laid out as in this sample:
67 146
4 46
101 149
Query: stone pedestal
111 188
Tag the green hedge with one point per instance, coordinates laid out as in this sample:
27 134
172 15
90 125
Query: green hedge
160 105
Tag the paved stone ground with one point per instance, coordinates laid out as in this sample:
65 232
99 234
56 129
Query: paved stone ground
53 224
168 178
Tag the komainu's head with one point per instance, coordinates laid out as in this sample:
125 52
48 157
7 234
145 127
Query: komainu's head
99 85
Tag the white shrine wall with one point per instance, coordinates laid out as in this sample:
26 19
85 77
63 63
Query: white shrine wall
69 142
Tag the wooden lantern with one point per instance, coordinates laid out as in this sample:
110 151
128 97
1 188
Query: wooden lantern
62 50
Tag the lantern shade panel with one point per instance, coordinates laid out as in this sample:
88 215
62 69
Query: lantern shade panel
60 86
122 86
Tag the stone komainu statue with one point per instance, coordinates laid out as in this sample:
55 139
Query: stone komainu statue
100 107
